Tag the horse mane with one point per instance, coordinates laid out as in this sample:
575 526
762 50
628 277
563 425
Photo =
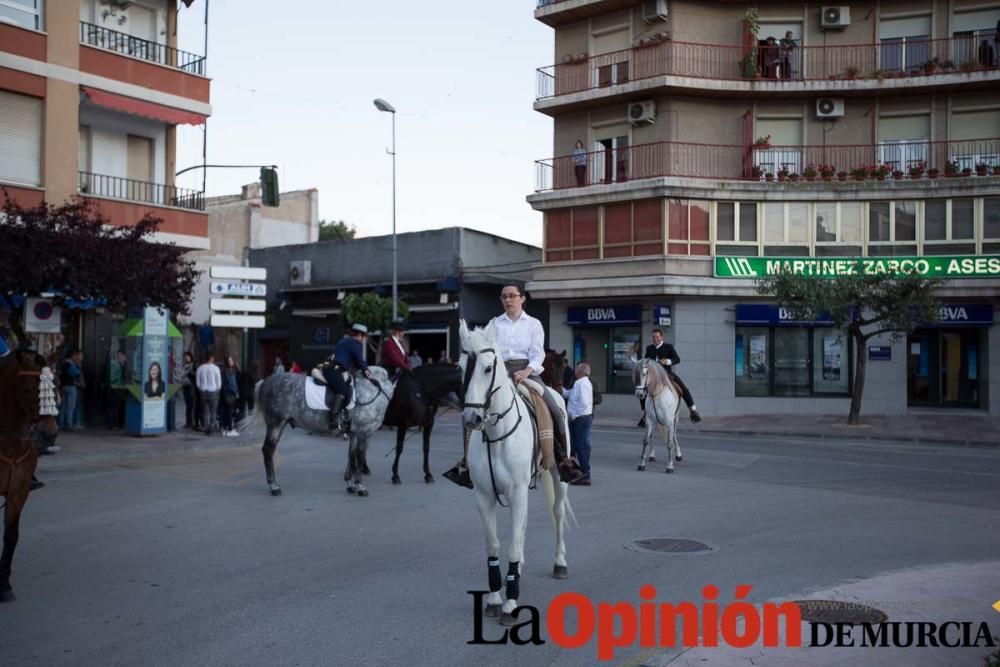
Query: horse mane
438 380
655 377
481 339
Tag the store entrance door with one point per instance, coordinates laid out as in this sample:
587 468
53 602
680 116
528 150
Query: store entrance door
944 367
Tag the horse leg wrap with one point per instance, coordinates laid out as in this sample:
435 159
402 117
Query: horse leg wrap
513 580
495 580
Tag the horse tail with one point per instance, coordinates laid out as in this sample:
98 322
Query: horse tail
257 416
549 489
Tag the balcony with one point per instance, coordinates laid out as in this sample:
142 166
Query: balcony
913 160
157 194
161 54
558 12
859 67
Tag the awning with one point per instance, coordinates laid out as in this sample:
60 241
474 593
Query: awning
130 105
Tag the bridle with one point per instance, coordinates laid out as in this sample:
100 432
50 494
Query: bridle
378 385
487 415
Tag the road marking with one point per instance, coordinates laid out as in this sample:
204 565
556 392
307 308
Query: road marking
996 606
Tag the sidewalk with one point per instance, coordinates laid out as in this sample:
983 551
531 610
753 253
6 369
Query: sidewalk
928 428
98 445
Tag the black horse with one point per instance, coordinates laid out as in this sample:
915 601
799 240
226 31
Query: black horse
418 396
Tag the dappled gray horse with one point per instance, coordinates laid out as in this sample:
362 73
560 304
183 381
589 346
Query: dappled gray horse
281 400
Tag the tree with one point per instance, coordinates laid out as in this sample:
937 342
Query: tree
74 252
864 306
336 231
371 310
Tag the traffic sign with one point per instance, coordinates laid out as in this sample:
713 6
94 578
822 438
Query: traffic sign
238 321
239 305
238 289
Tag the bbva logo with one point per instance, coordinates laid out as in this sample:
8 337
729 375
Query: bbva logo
600 314
949 313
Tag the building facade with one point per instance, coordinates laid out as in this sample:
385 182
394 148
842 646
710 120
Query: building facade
693 140
91 95
443 275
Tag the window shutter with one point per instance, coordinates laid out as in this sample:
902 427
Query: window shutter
21 138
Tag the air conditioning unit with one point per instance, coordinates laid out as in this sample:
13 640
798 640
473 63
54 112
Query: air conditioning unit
834 18
642 113
300 273
830 107
654 10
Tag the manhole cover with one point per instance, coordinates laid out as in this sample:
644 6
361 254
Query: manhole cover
838 611
667 545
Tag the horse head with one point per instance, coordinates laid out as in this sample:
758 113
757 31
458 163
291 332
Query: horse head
640 377
28 378
484 373
554 368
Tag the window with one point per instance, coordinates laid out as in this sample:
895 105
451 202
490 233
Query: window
610 61
949 227
838 228
736 228
904 43
23 13
991 225
83 160
785 153
903 140
970 30
786 228
21 138
974 140
571 233
792 361
892 228
633 228
688 227
610 159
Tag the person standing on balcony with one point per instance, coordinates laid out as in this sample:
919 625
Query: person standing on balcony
787 45
580 164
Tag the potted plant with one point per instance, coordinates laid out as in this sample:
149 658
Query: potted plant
982 169
762 142
967 171
917 170
897 175
879 172
859 173
842 175
769 177
850 72
810 173
827 171
951 169
933 173
782 174
756 172
794 178
996 170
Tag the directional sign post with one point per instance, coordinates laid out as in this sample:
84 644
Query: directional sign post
233 297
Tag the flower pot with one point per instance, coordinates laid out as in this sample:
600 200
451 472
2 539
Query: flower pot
933 173
782 178
897 177
879 177
966 172
981 172
794 179
996 171
842 178
769 178
810 178
827 177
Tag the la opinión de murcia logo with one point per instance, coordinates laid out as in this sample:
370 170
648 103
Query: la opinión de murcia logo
738 624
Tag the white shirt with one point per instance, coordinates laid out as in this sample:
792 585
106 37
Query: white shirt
208 378
522 338
580 399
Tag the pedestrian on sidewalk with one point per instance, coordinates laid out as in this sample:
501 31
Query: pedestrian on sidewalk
116 377
230 394
71 379
209 382
580 409
185 378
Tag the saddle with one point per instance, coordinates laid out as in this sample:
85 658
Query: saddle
318 374
542 418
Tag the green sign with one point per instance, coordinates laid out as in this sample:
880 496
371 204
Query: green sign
956 266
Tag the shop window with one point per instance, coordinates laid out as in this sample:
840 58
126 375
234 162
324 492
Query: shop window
611 351
791 361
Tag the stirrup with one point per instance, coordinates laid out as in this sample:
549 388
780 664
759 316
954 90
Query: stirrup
569 470
459 474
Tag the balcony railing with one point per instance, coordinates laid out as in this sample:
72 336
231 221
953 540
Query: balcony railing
728 162
128 189
144 49
887 60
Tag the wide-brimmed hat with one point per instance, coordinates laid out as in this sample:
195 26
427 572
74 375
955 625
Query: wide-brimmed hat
397 325
359 328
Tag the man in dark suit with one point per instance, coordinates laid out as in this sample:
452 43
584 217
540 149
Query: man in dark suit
668 357
394 357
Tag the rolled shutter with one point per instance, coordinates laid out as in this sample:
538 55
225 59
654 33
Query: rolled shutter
21 139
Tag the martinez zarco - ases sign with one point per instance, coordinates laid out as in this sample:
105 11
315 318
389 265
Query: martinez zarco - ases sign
955 266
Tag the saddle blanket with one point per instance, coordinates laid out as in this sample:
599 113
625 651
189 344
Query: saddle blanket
316 396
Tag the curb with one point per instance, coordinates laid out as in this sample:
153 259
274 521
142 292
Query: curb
76 458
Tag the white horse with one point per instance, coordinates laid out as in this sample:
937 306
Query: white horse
653 385
501 466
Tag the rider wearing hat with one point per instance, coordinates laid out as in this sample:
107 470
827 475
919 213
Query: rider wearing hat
348 355
521 342
394 357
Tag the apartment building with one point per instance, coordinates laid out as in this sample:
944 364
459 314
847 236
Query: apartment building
91 95
695 140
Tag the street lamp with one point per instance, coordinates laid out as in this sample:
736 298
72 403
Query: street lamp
382 105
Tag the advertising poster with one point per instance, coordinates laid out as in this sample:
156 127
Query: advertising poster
154 365
740 361
758 356
833 352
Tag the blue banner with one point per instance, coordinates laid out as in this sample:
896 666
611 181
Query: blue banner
965 314
765 314
603 316
879 353
661 316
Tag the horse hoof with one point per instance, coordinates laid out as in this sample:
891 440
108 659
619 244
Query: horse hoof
678 458
507 619
652 458
352 489
492 611
8 596
366 470
668 470
560 571
428 478
276 491
347 477
641 467
362 493
396 479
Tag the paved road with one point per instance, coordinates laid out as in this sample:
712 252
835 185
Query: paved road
188 560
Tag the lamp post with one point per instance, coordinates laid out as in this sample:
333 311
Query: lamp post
382 105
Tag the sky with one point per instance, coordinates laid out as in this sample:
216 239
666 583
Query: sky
293 85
